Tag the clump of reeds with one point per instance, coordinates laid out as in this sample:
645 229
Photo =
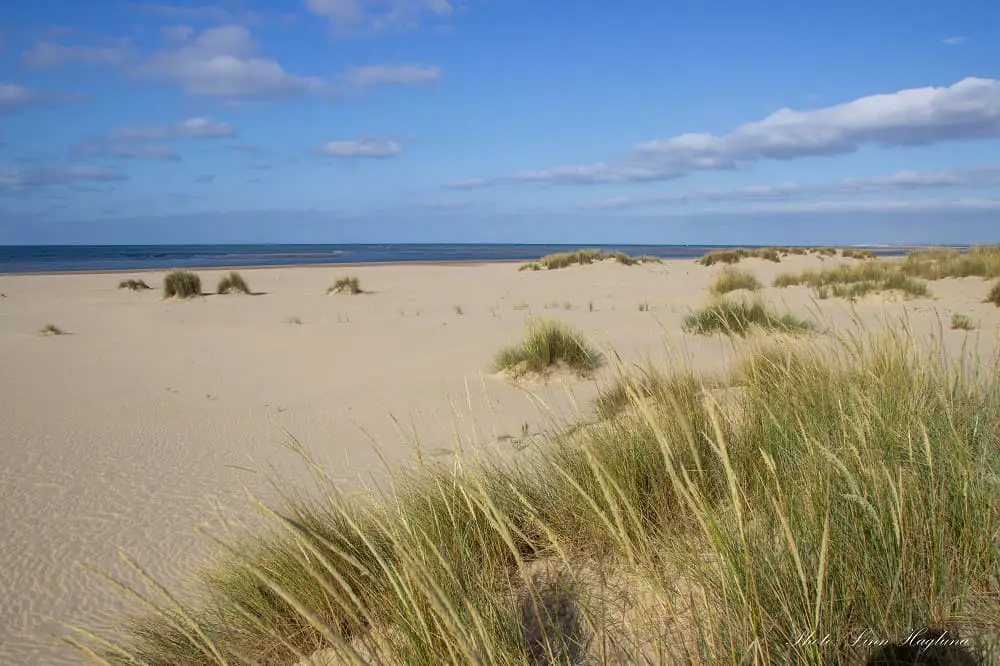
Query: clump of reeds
740 317
731 279
232 284
181 284
548 344
346 285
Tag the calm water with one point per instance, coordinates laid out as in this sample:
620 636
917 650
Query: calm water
56 258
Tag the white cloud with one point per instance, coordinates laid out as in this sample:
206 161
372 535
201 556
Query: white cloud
981 177
223 61
954 41
468 184
193 128
969 109
14 97
157 152
405 74
379 14
362 148
49 54
25 179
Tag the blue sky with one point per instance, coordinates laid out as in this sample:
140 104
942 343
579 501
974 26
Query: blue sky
499 121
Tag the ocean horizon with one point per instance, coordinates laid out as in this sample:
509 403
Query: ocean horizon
85 258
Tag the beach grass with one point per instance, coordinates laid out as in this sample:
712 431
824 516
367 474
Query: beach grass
549 344
181 284
134 285
51 329
994 295
584 257
741 317
775 254
346 285
731 279
962 322
852 281
232 284
847 490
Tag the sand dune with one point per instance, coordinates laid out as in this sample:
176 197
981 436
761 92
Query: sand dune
128 431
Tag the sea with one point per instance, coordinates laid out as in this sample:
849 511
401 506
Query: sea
86 258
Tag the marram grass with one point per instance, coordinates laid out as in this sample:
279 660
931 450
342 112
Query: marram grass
741 317
845 488
732 279
181 284
133 285
232 284
549 344
346 285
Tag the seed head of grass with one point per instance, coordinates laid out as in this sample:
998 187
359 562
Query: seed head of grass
233 283
346 285
181 284
740 317
731 279
547 345
134 285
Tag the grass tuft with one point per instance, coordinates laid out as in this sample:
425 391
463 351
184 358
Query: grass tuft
181 284
51 329
346 285
962 322
731 279
994 295
857 280
549 344
134 285
233 283
740 317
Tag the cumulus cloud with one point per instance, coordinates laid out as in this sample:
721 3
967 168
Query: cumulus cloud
968 109
193 128
223 61
405 74
362 148
379 14
36 178
48 54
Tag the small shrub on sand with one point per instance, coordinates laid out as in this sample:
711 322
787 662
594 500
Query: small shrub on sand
738 317
346 285
233 283
549 344
731 279
134 285
181 284
51 329
994 295
962 322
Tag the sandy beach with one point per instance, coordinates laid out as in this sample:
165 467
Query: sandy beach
131 429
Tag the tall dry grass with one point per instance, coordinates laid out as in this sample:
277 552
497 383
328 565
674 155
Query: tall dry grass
834 494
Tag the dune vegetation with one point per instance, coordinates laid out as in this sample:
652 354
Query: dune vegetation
233 284
841 489
731 279
994 295
51 329
549 345
583 257
346 285
741 317
181 284
134 285
775 254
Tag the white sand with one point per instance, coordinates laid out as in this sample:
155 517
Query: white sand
123 433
